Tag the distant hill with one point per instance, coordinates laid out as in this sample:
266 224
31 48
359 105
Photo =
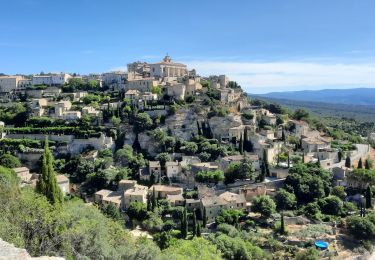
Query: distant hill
362 113
355 96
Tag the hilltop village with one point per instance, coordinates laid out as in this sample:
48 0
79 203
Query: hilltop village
174 155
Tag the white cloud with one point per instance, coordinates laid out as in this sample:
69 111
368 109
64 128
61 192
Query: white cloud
262 77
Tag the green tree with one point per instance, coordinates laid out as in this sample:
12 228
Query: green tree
368 164
348 163
194 223
204 218
156 90
137 210
199 232
339 191
331 205
300 114
263 205
361 228
163 158
360 166
240 145
197 248
142 122
308 254
9 161
184 224
154 200
47 184
285 200
368 197
308 182
282 224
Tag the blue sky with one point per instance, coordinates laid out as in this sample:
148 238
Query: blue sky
266 45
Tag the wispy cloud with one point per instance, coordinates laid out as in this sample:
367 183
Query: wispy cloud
262 77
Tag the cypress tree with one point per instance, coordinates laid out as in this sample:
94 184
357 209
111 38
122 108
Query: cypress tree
339 155
282 224
194 224
241 145
262 174
368 165
368 197
303 157
47 183
199 128
209 131
199 232
347 162
289 160
184 224
245 142
204 217
154 202
283 136
149 204
360 166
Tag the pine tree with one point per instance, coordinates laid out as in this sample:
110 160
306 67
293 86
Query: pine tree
194 224
47 184
360 166
368 165
240 146
348 162
368 197
204 217
199 232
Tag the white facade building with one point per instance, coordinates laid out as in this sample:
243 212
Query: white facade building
51 79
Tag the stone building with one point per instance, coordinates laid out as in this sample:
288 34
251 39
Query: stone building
168 69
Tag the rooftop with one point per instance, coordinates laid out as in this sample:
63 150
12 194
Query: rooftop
165 188
154 164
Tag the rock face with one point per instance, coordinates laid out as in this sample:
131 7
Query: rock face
183 124
220 125
10 252
149 144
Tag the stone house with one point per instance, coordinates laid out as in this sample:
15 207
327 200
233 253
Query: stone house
234 201
173 169
253 190
176 200
213 206
63 183
254 158
193 204
108 197
154 168
315 144
23 173
137 193
204 166
132 95
161 191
